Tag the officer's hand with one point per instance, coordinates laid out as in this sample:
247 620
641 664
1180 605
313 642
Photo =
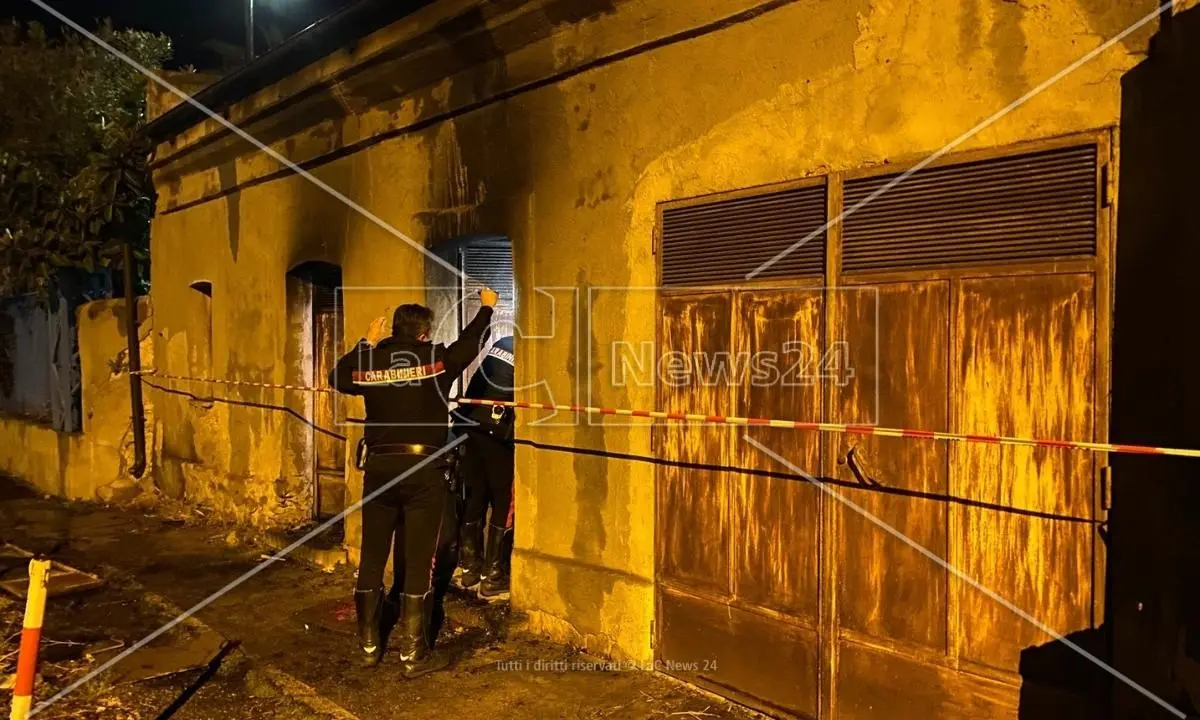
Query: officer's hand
489 297
380 329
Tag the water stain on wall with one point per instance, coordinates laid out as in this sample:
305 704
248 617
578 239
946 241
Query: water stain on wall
591 497
233 204
563 13
1009 45
596 189
968 31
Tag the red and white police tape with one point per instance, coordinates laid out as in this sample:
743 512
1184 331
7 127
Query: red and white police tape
848 429
241 383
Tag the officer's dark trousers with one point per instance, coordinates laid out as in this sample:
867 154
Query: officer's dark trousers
413 511
488 467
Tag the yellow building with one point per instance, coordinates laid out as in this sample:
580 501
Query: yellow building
642 158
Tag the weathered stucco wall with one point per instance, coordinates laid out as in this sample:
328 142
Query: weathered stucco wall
566 125
160 99
93 464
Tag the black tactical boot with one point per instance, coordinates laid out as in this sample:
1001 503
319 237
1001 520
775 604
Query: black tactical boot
368 604
497 564
470 564
416 658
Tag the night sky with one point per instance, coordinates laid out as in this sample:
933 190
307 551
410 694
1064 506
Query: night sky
191 24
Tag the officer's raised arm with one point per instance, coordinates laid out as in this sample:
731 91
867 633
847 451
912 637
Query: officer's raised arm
341 377
461 352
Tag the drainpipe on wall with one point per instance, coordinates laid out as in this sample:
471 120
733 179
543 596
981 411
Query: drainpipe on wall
135 364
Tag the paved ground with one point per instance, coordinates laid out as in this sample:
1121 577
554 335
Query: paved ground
289 626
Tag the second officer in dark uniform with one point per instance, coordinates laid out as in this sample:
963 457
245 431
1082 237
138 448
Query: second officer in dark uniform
488 471
404 380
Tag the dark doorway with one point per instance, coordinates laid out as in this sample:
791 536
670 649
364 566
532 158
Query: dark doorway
321 337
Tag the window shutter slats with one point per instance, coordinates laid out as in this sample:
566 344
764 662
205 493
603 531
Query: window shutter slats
491 267
724 240
1020 208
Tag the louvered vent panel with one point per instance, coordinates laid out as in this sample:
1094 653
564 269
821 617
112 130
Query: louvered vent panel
723 241
1015 209
491 267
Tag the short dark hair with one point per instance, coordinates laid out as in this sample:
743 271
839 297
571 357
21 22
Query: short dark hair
410 322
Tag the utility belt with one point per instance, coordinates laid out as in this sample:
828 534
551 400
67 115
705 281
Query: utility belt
362 452
448 462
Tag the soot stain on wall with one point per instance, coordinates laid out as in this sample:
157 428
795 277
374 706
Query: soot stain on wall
233 204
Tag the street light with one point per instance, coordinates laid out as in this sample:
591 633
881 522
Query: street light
272 27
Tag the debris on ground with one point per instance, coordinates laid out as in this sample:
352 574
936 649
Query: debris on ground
291 629
63 579
178 656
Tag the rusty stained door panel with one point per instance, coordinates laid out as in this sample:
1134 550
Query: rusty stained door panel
738 554
693 506
874 683
1025 354
748 657
331 452
775 519
897 339
328 412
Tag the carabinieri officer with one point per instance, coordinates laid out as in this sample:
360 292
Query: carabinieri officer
404 380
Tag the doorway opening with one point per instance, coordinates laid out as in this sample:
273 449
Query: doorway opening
317 309
482 260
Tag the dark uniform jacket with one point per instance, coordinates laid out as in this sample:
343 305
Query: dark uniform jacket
492 381
405 384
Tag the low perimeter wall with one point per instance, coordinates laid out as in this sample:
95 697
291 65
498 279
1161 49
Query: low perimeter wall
92 464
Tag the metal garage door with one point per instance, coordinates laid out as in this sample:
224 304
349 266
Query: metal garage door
968 298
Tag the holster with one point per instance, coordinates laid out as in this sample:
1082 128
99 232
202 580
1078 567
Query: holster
360 454
450 471
495 421
503 423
